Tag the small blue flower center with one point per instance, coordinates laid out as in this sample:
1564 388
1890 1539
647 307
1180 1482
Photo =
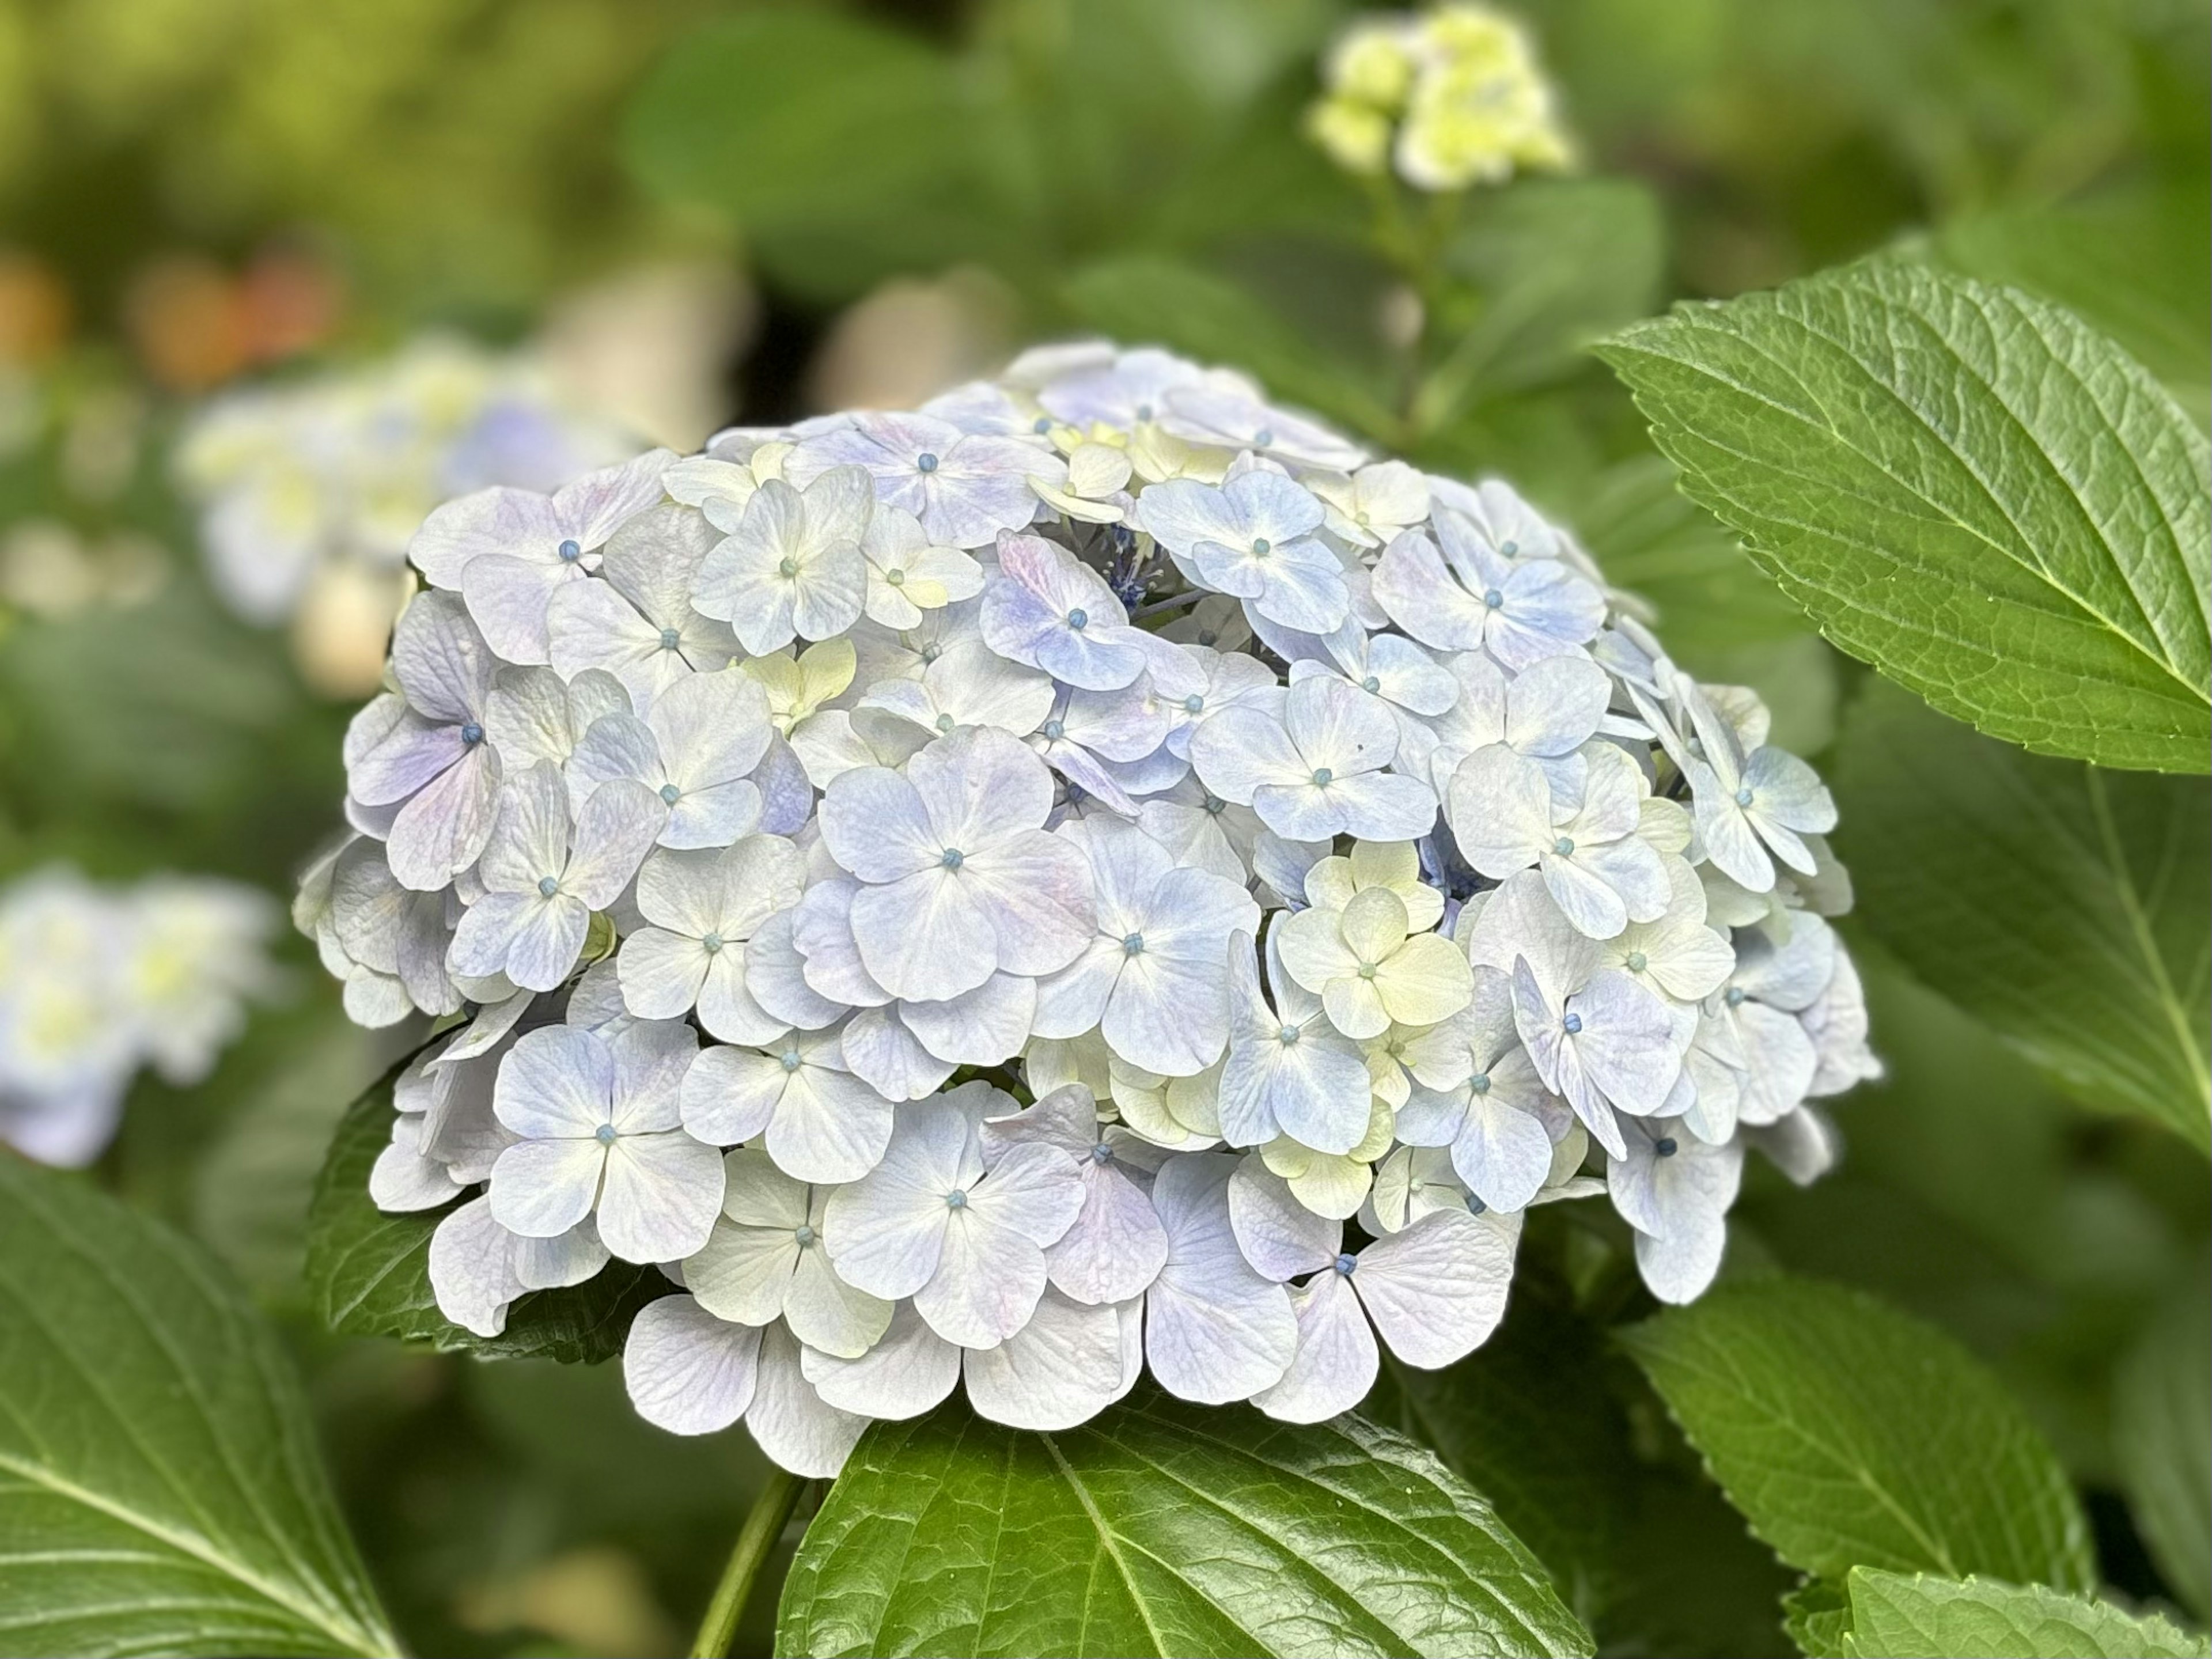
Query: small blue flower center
1493 597
1509 549
471 734
945 722
1565 845
926 462
669 639
548 885
1475 1206
1264 436
1321 775
895 578
1078 619
791 1059
571 551
953 859
802 1235
1743 796
1041 425
1261 546
671 794
931 652
1370 683
1055 730
787 567
1133 944
1572 1024
1637 961
1664 1146
713 942
1102 1153
1193 703
1479 1083
1288 1035
1214 805
956 1199
1144 411
1207 636
1734 996
605 1135
1345 1263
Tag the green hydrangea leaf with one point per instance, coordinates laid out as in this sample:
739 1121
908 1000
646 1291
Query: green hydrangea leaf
1968 488
1162 1528
160 1490
1850 1435
368 1272
1920 1617
2162 1439
2062 904
1818 1615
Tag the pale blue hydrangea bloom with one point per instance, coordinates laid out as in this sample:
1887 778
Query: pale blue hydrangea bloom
854 754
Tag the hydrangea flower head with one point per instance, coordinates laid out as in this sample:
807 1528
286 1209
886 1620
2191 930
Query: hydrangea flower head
1099 875
97 982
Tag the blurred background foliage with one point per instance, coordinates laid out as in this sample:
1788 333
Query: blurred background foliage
704 212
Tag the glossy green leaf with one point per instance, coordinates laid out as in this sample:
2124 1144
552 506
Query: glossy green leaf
1160 1528
1894 1616
1966 487
2162 1438
160 1490
1850 1435
2129 260
368 1272
2062 905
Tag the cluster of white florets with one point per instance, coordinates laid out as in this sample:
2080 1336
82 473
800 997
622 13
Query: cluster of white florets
1097 874
311 487
96 983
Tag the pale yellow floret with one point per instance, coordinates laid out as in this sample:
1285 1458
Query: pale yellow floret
797 688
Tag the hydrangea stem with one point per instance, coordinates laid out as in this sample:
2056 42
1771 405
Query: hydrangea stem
764 1524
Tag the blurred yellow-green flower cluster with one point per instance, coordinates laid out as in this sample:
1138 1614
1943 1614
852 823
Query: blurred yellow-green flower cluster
1453 97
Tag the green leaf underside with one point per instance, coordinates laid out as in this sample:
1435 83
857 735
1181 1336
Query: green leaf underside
1847 1434
160 1490
1160 1528
1899 1617
2162 1439
1966 488
2062 904
368 1272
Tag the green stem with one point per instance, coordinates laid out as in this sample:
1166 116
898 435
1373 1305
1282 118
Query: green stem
763 1525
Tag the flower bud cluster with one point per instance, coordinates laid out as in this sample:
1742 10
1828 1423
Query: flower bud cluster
1097 874
1452 97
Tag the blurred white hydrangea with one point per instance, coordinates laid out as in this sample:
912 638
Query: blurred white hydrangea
1097 873
308 490
97 981
1451 97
